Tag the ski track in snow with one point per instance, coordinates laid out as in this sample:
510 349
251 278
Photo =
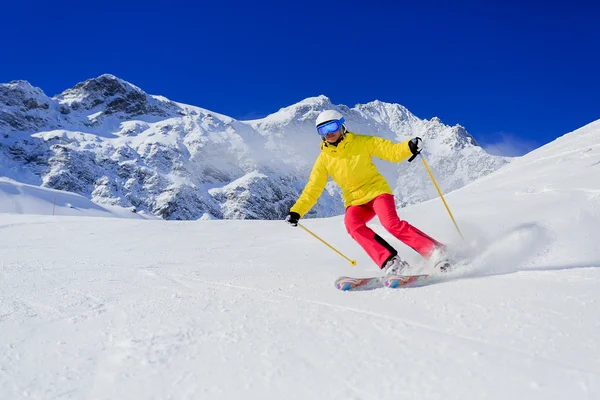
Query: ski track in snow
139 319
116 343
402 321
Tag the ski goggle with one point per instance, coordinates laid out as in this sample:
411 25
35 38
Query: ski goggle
330 127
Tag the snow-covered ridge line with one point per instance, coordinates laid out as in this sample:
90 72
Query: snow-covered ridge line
108 140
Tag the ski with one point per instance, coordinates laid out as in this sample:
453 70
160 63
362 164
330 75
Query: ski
347 283
396 281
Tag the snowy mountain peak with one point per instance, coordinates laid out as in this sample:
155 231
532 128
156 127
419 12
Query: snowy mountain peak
110 141
104 86
113 95
463 138
23 94
378 104
392 114
306 109
318 100
22 107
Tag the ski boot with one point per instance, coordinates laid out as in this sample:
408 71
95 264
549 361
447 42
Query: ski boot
396 266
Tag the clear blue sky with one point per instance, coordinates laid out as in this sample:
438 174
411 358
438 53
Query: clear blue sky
519 72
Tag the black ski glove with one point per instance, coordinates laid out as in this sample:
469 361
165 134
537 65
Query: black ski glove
292 218
415 146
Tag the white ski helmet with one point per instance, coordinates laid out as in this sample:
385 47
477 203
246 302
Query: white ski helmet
328 115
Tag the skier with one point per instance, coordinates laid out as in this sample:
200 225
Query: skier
347 158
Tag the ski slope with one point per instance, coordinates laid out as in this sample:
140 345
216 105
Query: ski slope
112 308
21 198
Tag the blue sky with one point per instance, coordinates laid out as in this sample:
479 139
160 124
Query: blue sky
515 74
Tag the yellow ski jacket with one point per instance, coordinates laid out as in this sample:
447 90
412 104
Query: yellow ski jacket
350 165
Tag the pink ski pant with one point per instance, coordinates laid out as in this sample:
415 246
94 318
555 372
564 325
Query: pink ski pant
378 249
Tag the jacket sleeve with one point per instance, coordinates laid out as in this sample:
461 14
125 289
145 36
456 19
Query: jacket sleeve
313 189
388 150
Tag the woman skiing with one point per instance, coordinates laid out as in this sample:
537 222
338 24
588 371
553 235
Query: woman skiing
347 158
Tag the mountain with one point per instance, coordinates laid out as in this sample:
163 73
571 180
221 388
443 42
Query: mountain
452 153
108 140
107 308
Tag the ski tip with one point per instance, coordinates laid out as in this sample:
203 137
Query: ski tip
345 283
344 286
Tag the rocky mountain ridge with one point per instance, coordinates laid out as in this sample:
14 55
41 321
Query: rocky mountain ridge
110 141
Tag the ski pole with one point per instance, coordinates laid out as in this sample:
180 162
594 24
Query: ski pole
352 262
440 192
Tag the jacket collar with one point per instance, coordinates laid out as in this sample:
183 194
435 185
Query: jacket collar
329 149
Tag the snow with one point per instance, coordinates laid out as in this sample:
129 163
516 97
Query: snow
108 308
94 116
20 198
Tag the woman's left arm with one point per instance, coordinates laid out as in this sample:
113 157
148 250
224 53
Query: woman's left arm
388 150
